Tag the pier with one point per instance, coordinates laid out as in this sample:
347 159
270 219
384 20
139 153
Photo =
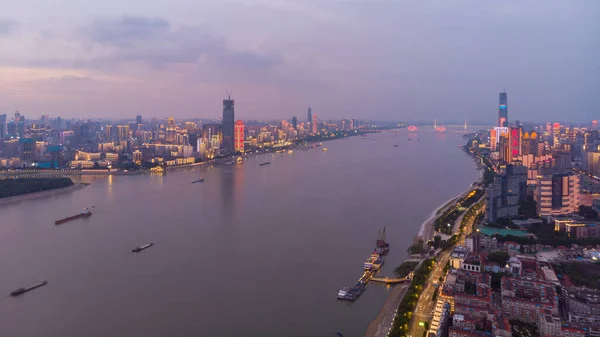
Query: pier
388 280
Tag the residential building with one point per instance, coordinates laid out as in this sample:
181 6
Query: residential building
557 194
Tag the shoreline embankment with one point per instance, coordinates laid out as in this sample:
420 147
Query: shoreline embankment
42 194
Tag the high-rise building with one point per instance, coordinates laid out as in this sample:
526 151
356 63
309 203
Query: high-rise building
556 134
108 131
503 196
516 136
27 149
529 144
595 124
2 126
123 132
309 119
591 163
295 122
138 119
557 194
239 137
170 131
314 123
228 125
503 110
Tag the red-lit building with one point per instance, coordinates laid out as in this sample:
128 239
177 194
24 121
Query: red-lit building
515 141
238 139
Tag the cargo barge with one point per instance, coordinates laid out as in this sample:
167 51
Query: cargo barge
21 291
83 214
140 248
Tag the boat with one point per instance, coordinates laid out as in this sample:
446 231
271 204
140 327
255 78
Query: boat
353 293
265 163
395 145
140 248
85 213
201 180
290 151
342 293
324 149
21 291
382 247
374 262
239 160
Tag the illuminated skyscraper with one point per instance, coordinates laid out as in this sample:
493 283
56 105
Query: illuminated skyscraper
108 130
516 138
503 110
295 122
123 132
309 120
239 137
228 125
556 134
170 131
314 123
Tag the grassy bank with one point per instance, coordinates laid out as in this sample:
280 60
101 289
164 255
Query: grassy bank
22 186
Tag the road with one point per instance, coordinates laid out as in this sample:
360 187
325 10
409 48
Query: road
425 305
381 325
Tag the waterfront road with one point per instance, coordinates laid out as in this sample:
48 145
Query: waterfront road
426 305
381 325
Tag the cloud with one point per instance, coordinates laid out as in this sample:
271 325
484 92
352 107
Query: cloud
6 25
156 42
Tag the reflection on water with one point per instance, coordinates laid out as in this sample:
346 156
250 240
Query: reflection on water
258 249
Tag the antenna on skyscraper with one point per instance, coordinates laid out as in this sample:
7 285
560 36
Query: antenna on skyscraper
229 93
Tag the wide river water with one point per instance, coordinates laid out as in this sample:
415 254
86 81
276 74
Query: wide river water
252 251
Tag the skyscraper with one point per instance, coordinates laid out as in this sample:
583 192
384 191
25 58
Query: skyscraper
171 131
295 122
309 120
228 124
138 119
2 126
239 137
503 110
314 123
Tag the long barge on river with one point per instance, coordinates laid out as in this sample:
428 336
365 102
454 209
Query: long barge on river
83 214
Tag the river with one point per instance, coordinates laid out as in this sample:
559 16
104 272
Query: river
253 251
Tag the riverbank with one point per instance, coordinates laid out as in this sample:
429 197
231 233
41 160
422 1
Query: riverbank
381 325
43 194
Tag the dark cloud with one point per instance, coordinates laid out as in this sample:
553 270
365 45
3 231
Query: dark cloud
156 42
6 25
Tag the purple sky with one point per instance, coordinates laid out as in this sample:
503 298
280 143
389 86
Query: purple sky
378 59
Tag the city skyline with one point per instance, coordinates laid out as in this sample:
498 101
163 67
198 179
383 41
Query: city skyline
106 60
